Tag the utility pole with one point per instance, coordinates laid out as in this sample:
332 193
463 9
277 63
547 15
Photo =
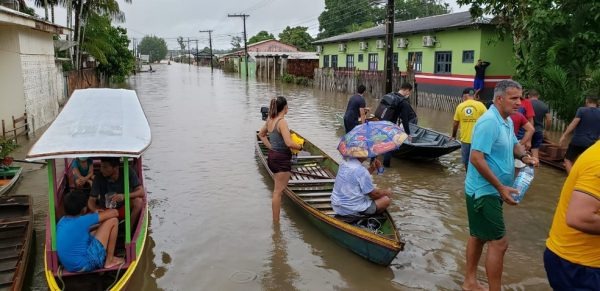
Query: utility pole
389 49
189 52
210 46
196 54
243 16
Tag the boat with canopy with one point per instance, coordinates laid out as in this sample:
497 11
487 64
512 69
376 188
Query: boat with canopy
95 123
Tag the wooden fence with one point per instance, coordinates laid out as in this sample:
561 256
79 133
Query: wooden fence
346 80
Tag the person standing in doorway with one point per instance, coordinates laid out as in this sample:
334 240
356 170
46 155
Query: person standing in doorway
586 125
356 109
488 184
480 67
465 116
542 120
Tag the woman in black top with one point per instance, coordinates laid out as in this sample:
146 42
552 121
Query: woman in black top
275 135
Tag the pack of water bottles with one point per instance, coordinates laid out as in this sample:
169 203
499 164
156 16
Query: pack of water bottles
522 182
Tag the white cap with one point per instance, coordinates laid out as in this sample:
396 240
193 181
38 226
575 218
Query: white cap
519 164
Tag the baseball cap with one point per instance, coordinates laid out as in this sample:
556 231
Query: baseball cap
469 91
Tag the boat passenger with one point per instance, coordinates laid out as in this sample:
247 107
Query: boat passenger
79 250
111 182
354 193
83 172
356 109
275 135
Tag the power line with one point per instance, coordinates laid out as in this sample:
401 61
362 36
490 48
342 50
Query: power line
210 43
243 16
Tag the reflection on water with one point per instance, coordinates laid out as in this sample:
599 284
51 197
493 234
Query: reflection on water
210 199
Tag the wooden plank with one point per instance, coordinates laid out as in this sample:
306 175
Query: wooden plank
315 194
319 181
318 200
300 188
329 212
310 157
322 206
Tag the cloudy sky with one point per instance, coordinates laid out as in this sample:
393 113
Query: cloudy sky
169 19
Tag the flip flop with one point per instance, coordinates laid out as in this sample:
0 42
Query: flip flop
120 262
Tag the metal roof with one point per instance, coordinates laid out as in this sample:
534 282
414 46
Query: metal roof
431 23
96 122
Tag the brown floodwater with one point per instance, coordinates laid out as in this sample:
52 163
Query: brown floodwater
210 199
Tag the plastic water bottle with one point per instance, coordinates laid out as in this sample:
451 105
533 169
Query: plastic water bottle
522 182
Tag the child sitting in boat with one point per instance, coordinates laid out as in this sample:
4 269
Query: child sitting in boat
353 192
83 172
80 250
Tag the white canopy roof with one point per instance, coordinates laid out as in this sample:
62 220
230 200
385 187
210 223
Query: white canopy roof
96 122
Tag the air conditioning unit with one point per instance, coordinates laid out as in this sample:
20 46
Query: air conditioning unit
428 41
402 43
319 48
380 44
363 45
342 47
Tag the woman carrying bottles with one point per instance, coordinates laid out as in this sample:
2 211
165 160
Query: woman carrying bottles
275 135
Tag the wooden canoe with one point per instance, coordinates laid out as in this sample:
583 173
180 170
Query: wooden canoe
426 144
310 189
552 154
16 235
8 178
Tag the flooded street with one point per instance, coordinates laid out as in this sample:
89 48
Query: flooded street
210 199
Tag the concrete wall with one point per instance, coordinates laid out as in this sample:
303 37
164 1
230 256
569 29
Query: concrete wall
43 83
478 39
11 77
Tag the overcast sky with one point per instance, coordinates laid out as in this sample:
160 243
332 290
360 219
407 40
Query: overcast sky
169 19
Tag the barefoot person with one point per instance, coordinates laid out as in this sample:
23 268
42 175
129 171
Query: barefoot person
489 176
275 135
78 249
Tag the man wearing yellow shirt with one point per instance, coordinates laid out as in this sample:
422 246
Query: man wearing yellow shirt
572 256
466 115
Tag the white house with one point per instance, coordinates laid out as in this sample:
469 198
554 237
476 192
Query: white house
30 79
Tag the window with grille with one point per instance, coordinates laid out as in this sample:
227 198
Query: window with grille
373 62
325 61
443 62
468 57
334 61
360 58
349 61
418 60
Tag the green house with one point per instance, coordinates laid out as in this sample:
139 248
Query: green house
445 49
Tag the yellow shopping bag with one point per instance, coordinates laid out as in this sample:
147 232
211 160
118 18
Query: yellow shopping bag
298 140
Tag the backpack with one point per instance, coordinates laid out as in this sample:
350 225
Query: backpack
388 107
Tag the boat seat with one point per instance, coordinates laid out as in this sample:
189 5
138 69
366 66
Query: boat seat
310 157
318 181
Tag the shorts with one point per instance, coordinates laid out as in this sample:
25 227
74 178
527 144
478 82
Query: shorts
486 219
537 139
349 124
574 151
478 84
371 209
465 152
96 255
279 161
564 275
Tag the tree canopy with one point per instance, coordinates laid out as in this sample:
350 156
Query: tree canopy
555 46
260 36
343 16
236 43
110 46
154 46
298 37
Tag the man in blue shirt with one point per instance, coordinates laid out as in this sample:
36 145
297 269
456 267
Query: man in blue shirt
488 183
353 191
79 250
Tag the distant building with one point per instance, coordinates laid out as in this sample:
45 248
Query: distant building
445 49
30 77
272 58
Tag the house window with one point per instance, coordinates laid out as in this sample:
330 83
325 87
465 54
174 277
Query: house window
395 61
360 58
418 60
349 61
325 61
334 61
443 62
373 62
468 56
